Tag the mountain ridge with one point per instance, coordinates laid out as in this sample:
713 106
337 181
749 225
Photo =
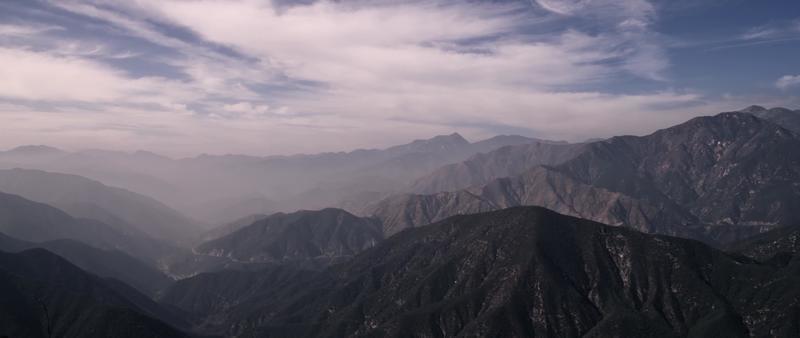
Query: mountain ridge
517 272
696 173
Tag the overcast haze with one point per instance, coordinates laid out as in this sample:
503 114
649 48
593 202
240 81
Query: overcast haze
280 77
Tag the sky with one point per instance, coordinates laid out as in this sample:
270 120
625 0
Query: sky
184 77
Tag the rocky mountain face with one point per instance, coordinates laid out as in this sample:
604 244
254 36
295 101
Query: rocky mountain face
81 197
400 212
216 299
697 179
326 235
103 263
43 295
777 245
36 222
518 272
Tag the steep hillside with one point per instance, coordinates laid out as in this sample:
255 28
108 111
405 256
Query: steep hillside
43 295
103 263
36 222
82 197
517 272
328 234
704 177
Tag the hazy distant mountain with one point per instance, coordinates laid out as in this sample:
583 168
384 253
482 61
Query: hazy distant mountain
81 197
231 227
227 209
33 151
500 141
210 185
43 295
789 119
452 143
503 162
104 263
518 272
729 169
326 235
36 222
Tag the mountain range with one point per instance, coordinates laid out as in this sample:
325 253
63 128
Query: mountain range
518 272
688 231
697 179
212 188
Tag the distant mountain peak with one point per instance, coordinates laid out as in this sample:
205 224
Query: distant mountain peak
452 141
35 149
454 137
753 109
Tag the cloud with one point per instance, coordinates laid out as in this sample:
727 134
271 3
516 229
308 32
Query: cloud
627 25
787 81
332 75
771 33
563 7
758 33
611 11
40 76
11 30
250 110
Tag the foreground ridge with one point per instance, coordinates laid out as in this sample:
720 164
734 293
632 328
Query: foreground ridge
524 271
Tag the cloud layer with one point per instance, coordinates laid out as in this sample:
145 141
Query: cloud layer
260 77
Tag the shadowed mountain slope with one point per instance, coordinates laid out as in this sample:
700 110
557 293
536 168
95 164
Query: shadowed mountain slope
36 222
517 272
43 295
329 234
781 245
104 263
82 197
